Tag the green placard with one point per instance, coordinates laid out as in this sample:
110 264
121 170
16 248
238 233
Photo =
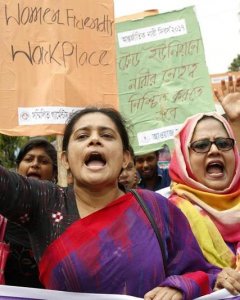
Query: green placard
162 75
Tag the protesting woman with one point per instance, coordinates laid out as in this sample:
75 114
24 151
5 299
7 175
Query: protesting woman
36 159
94 237
205 170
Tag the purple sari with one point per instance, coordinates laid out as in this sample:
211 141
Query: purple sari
115 251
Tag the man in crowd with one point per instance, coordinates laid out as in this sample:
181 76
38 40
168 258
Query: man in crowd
152 177
129 176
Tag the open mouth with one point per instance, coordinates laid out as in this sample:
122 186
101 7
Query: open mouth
124 182
34 175
215 168
95 159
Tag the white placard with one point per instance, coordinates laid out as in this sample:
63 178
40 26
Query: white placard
152 33
157 135
43 294
44 115
221 294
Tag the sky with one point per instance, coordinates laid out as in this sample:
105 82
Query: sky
219 22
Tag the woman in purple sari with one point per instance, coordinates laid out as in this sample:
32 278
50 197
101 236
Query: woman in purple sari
94 237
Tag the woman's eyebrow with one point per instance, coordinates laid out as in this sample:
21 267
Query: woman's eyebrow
101 128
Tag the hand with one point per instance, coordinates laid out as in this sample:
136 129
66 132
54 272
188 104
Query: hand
229 279
230 98
163 293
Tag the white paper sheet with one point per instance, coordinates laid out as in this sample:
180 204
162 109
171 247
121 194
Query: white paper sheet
42 294
218 295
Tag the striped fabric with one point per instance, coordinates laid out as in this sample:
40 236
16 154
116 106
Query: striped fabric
115 251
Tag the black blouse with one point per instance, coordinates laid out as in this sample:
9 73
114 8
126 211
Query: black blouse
43 208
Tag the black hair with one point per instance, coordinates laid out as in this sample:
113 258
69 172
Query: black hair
38 143
113 114
131 151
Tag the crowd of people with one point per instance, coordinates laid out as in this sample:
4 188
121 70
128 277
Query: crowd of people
96 236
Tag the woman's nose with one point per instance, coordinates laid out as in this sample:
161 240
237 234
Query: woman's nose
123 174
95 139
213 148
35 163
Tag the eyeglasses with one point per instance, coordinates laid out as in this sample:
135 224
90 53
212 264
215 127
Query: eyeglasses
203 146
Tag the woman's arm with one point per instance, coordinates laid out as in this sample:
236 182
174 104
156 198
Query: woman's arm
19 196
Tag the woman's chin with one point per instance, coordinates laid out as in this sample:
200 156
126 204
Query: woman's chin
98 182
217 185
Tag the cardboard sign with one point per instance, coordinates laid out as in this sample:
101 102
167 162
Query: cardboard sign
162 75
56 57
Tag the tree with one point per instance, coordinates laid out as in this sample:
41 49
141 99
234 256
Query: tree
235 65
10 146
